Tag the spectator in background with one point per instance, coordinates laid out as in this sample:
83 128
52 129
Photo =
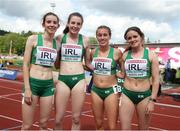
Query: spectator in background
173 75
178 76
168 71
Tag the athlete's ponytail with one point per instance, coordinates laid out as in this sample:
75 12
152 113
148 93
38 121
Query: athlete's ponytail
66 30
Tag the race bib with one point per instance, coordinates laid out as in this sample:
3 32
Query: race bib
136 67
117 89
45 56
71 52
102 66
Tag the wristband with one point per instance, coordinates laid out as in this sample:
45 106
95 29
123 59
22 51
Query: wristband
152 99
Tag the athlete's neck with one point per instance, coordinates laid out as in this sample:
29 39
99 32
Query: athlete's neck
138 53
104 48
48 37
73 36
137 49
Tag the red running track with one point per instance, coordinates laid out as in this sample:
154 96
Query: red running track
165 117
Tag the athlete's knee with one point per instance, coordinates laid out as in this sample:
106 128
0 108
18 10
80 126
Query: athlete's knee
126 126
99 124
26 126
143 127
75 119
112 126
43 123
58 122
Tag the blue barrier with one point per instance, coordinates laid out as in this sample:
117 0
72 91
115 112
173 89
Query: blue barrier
8 74
1 65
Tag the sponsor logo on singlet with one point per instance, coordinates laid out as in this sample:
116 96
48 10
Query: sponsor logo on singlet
102 66
45 56
136 67
71 52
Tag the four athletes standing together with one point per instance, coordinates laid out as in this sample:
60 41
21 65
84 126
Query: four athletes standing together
137 67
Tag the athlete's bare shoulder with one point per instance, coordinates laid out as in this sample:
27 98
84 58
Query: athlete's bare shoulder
32 40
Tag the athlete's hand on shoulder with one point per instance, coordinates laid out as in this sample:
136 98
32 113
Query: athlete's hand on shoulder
28 96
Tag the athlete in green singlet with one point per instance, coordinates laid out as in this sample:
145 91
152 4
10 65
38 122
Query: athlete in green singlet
104 91
71 81
138 66
39 58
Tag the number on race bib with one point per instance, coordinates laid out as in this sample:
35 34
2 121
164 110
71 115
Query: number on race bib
117 89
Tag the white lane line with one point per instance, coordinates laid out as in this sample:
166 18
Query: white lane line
13 119
88 111
167 105
159 114
10 118
84 112
13 94
12 128
10 81
131 124
12 99
158 104
89 103
5 87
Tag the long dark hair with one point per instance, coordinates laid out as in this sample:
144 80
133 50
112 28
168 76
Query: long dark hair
136 29
66 30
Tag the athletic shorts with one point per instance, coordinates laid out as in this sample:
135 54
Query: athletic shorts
136 97
103 93
41 88
71 80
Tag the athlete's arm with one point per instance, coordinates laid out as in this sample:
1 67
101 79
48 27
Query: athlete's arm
26 67
87 57
121 62
155 74
58 42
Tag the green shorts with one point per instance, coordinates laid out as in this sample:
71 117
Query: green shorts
103 93
71 80
136 97
41 88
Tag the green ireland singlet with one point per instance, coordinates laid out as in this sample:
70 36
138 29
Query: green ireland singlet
138 67
72 52
102 65
42 55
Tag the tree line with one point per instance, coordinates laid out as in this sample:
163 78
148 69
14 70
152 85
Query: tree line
14 43
11 42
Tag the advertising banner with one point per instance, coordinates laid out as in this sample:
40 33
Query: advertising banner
165 53
8 74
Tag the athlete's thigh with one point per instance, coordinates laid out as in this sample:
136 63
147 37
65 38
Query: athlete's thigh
126 109
80 87
97 106
111 106
143 117
78 96
45 106
61 97
29 110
